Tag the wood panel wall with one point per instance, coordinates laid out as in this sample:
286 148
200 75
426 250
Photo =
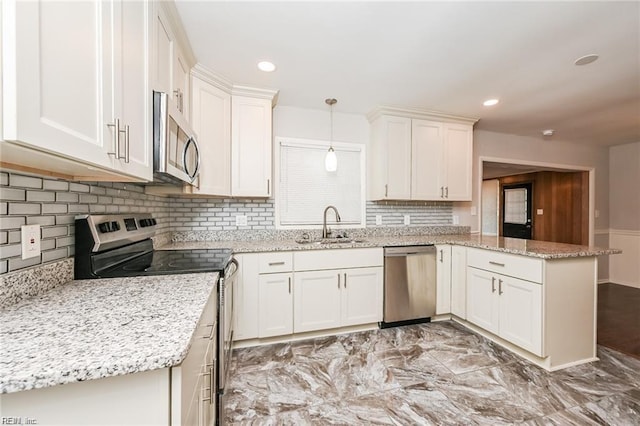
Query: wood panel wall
564 200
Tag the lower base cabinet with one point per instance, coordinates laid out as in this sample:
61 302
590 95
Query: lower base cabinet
508 307
275 308
337 298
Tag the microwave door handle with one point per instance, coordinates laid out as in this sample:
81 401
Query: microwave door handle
192 176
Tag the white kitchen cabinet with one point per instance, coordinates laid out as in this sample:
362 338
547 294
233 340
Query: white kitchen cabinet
246 297
443 279
459 281
362 296
211 120
172 58
251 146
391 153
84 111
420 155
506 306
317 300
275 293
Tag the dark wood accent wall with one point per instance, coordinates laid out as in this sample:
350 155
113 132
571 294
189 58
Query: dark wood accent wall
564 199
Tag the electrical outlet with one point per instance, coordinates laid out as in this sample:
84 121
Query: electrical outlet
30 240
456 219
407 219
241 220
597 213
378 219
539 212
474 211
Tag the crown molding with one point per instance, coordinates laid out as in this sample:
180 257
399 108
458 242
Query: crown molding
256 92
177 28
212 77
417 113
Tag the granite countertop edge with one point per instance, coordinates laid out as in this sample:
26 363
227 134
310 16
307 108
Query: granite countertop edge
530 248
98 335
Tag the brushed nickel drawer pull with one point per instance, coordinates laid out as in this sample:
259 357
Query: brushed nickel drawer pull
338 281
493 284
491 262
345 280
500 287
289 285
276 263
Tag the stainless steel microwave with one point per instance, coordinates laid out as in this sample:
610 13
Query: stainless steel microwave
176 155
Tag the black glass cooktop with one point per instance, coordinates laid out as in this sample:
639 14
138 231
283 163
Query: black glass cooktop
161 262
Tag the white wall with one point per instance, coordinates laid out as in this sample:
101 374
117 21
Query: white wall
624 212
528 149
306 123
490 204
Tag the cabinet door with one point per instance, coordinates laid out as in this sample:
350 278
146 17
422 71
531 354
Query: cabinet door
275 304
362 291
162 52
251 149
483 299
52 76
211 120
458 159
397 138
426 160
443 279
246 297
132 92
317 300
521 313
459 281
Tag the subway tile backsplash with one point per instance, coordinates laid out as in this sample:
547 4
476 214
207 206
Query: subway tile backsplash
54 203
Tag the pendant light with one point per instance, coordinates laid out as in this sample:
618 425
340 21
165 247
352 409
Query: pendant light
331 161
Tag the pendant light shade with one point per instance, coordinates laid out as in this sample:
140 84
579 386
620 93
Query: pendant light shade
331 160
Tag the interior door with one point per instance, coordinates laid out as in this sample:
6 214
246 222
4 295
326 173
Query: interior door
516 211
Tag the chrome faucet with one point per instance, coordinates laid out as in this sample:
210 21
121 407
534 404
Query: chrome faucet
325 231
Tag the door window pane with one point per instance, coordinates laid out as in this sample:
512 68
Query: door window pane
515 206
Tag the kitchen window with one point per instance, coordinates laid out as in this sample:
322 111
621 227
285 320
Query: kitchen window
304 188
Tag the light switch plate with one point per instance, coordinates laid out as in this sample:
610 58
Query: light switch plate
456 219
539 212
378 219
407 219
30 241
474 211
241 220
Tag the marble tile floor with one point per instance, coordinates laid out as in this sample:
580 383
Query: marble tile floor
437 373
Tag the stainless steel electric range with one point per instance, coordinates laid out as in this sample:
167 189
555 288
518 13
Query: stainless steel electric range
114 246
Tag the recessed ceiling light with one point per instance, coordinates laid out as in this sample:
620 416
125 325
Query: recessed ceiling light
266 66
548 132
587 59
490 102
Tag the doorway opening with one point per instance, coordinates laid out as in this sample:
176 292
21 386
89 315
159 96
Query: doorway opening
537 201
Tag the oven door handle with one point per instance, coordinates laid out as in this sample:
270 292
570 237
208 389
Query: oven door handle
236 266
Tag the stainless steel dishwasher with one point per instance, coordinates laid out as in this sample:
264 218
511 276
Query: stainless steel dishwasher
409 285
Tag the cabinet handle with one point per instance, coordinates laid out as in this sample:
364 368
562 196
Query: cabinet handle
268 186
386 190
442 192
276 263
441 256
126 144
338 281
345 280
446 192
116 133
500 287
493 284
289 285
491 262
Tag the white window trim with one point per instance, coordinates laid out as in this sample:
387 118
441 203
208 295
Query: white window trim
279 140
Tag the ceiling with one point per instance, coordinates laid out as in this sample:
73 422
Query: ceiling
442 56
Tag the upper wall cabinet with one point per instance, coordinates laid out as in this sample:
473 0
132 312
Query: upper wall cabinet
172 56
420 155
251 142
76 97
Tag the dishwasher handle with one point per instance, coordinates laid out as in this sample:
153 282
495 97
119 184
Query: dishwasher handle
409 250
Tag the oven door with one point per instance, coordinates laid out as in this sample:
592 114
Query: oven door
225 323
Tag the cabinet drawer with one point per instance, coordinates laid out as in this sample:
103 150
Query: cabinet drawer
276 262
314 260
522 267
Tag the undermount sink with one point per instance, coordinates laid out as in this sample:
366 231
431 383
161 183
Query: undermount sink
331 241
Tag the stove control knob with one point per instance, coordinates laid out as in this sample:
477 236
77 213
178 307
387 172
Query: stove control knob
115 226
153 222
103 227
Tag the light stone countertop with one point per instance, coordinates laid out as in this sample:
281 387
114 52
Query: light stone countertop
90 329
539 249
